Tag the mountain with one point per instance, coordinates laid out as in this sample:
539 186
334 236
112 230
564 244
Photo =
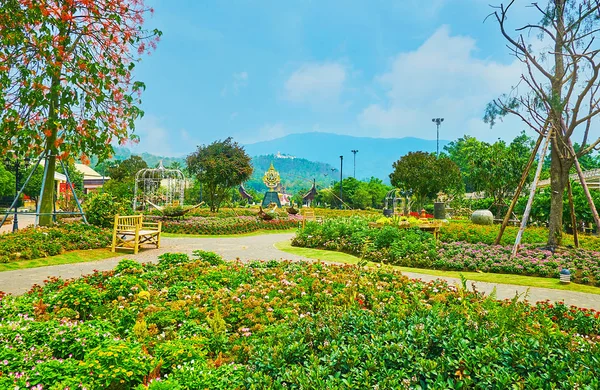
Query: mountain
296 174
123 153
374 158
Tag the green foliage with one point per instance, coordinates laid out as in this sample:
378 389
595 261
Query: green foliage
126 170
101 207
220 167
424 175
495 169
7 181
464 246
79 297
210 257
296 325
33 243
226 225
168 260
127 266
540 209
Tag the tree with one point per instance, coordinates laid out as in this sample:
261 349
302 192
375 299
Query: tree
219 167
7 181
125 171
558 91
66 85
122 177
34 185
377 191
425 175
462 152
495 169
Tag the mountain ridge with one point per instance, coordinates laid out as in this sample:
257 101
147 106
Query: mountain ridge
374 158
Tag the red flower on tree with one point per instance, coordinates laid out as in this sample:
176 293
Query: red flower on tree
66 77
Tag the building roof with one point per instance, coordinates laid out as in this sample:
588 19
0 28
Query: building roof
88 173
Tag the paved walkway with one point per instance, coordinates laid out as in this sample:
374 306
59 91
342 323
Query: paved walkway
261 248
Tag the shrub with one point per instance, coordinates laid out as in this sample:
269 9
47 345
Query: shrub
168 260
297 325
32 243
210 257
101 208
79 297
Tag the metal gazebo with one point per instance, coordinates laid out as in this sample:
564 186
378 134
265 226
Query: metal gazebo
391 202
158 188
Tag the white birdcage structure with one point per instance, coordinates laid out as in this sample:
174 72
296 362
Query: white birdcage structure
157 188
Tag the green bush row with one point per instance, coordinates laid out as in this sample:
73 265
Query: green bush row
33 243
463 247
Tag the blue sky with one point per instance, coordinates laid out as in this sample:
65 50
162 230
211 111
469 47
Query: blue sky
257 70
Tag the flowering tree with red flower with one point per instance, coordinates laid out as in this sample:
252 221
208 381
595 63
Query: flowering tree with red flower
66 86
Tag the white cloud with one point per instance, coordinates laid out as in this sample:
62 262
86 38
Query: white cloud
265 133
240 80
154 138
442 78
157 139
316 83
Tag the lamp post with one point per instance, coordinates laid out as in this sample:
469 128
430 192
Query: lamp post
341 181
438 122
15 166
354 151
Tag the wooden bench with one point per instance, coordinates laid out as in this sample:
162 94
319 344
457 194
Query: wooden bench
431 227
309 216
130 231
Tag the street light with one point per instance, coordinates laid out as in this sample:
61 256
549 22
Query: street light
16 164
354 151
438 122
341 182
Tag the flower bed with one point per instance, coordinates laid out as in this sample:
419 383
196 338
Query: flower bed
474 234
413 248
192 325
33 243
232 225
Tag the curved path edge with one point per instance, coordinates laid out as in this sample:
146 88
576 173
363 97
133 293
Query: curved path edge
262 248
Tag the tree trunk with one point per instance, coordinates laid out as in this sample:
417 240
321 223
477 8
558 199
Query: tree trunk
47 196
559 177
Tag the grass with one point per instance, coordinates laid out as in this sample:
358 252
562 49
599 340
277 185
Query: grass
80 256
520 280
251 234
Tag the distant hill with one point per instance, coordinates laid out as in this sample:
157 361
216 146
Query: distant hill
374 158
123 153
296 174
315 154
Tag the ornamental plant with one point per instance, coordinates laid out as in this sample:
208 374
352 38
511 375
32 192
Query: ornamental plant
273 325
33 243
66 83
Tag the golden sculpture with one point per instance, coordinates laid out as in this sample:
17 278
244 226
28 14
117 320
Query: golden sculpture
271 178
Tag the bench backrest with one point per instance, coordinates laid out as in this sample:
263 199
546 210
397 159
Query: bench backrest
128 222
309 215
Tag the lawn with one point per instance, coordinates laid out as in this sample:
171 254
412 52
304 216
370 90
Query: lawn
77 256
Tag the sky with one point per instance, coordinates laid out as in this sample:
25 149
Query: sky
257 70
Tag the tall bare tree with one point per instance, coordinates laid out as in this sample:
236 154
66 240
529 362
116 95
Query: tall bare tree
558 90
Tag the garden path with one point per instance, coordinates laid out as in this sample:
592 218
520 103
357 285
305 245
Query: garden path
262 248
